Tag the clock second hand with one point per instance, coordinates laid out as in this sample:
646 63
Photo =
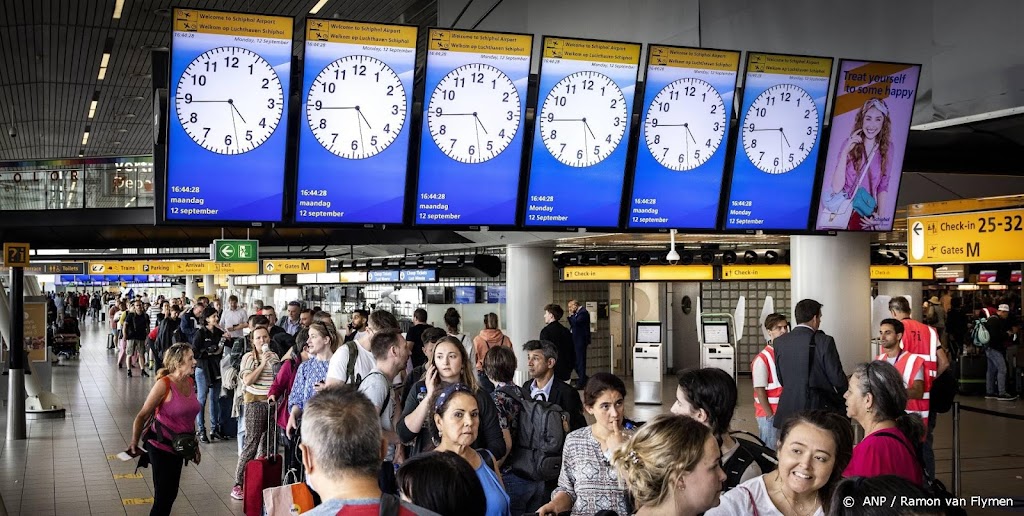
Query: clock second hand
232 103
368 126
233 126
479 122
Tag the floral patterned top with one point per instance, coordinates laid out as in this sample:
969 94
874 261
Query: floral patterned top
588 478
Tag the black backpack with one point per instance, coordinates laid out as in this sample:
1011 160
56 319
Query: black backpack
751 449
537 447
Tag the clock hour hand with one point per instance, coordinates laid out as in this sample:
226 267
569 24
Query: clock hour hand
232 104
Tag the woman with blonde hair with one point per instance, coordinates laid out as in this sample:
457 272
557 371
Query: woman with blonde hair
672 466
168 414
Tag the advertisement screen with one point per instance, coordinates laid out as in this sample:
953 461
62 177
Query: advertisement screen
357 85
471 147
776 156
687 107
578 160
227 131
868 138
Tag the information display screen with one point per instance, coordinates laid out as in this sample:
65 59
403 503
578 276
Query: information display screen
775 162
687 107
227 130
354 136
581 138
474 107
716 333
871 116
648 332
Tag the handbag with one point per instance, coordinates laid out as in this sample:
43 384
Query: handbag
184 445
838 205
289 499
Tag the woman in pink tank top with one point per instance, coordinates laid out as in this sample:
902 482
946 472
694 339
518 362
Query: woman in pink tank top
175 405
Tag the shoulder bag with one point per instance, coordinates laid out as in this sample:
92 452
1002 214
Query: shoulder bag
838 205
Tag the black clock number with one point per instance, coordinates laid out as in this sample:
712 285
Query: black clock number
193 118
443 129
227 140
318 105
188 98
504 97
271 103
248 135
263 122
716 127
810 130
447 95
323 123
477 78
199 80
231 62
391 91
761 112
753 144
690 91
266 84
615 102
619 121
560 101
510 115
206 132
807 113
588 85
664 107
714 109
394 109
211 66
786 96
551 117
359 69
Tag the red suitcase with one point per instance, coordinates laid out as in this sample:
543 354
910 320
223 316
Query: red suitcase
262 472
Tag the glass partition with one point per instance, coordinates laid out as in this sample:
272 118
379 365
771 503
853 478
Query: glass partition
66 184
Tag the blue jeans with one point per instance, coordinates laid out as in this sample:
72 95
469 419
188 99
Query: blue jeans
996 372
525 495
769 434
207 390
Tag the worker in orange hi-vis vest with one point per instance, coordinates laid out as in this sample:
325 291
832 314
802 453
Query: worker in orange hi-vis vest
767 388
922 340
910 366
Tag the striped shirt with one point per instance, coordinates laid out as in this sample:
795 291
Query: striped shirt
261 386
310 373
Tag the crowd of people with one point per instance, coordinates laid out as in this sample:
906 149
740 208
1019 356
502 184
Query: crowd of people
430 421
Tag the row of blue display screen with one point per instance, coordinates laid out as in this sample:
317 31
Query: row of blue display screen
354 160
107 278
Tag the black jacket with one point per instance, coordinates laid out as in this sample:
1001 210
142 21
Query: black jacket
167 335
792 360
562 339
566 397
136 326
206 348
488 432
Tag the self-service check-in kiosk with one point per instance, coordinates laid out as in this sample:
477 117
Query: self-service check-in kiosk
718 342
648 362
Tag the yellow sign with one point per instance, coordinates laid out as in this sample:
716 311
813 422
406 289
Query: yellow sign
890 272
676 272
124 476
157 267
15 255
294 266
699 58
605 273
232 24
789 65
592 50
35 330
136 501
922 273
481 42
962 205
359 33
978 237
755 272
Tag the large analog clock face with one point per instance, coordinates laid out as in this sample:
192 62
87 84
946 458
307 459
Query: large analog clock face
229 100
780 128
474 113
583 119
685 124
356 107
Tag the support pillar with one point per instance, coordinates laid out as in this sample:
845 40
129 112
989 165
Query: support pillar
835 271
191 287
914 289
16 429
529 278
210 286
267 294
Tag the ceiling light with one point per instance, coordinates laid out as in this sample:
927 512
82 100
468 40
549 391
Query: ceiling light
118 7
85 138
970 119
132 97
104 60
316 8
115 142
92 108
102 74
122 130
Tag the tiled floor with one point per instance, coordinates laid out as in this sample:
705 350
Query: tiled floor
66 467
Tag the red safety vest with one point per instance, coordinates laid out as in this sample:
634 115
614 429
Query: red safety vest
774 388
923 341
909 364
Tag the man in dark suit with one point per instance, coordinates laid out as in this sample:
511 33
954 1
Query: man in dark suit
541 360
560 336
809 382
579 325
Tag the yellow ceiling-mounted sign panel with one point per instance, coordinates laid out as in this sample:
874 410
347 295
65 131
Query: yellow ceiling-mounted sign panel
601 273
677 273
977 237
756 272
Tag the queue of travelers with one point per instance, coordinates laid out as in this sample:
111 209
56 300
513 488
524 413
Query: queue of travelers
364 426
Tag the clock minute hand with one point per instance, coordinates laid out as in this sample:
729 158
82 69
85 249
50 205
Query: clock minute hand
783 132
232 103
361 115
480 122
689 133
585 124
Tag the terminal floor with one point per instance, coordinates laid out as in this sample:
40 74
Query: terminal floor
67 466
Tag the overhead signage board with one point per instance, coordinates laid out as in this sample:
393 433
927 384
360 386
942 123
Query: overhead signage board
474 113
16 254
402 276
687 107
293 266
602 273
756 272
172 267
357 86
922 273
54 268
584 112
890 272
676 273
227 132
977 237
776 155
235 251
871 115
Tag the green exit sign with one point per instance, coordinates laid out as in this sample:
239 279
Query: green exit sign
235 251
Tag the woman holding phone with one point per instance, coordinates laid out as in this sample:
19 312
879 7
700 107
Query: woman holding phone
863 171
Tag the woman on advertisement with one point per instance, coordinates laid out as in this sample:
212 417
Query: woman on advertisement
861 176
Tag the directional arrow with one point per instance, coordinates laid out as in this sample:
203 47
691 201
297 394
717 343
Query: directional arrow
918 227
227 251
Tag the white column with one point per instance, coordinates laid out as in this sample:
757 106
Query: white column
529 274
191 290
210 286
913 289
835 271
267 294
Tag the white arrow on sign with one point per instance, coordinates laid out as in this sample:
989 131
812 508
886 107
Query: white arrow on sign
269 266
227 251
917 240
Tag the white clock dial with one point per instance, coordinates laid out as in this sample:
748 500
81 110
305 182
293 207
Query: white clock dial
780 128
229 100
356 107
474 112
685 124
583 119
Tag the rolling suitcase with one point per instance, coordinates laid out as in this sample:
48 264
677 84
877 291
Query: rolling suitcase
972 377
228 424
262 472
